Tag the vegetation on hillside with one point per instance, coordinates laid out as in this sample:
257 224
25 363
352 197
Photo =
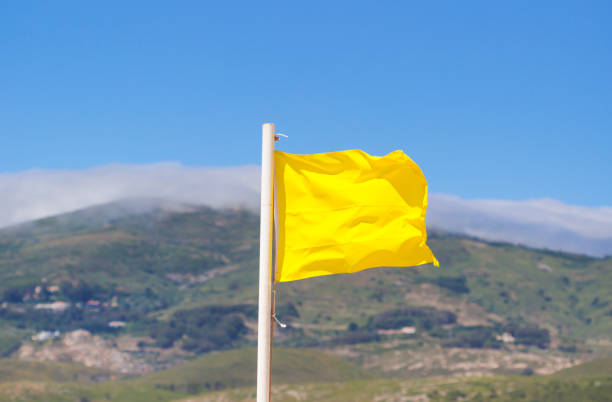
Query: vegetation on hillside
186 283
204 329
230 375
153 270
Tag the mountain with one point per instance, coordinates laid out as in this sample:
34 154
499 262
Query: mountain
543 223
178 283
184 282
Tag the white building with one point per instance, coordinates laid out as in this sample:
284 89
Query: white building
55 306
45 335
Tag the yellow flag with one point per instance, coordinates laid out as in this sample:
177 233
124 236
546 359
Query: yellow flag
347 211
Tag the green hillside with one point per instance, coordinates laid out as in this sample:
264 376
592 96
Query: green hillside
300 374
29 391
25 381
238 368
506 389
590 368
15 370
184 283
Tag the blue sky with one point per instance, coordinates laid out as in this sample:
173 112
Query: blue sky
504 101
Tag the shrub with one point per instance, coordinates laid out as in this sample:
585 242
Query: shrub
423 317
457 284
204 329
527 334
474 337
15 294
351 338
81 292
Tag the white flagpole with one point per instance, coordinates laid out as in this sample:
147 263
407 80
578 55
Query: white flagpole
264 328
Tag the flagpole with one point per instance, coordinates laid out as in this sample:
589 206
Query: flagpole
264 326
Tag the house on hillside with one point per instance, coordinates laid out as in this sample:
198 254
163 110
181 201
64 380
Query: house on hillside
93 305
56 306
53 289
404 331
505 338
45 335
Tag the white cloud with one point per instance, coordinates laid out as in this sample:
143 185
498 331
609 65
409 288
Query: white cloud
537 223
35 194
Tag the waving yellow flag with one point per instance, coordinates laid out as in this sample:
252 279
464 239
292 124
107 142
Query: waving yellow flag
347 211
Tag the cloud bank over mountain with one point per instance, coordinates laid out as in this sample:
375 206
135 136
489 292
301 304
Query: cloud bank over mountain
37 194
545 223
542 223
